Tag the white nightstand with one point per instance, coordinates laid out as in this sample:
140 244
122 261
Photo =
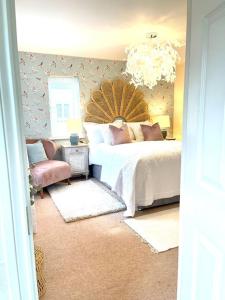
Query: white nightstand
77 157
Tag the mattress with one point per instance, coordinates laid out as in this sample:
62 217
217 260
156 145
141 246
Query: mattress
95 171
140 172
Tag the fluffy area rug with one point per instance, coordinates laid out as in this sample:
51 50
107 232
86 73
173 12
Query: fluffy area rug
159 229
84 199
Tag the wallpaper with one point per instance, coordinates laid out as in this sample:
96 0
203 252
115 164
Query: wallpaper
36 68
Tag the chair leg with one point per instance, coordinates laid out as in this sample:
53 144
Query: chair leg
68 181
41 193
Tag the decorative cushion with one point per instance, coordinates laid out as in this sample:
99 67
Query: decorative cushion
100 133
136 129
48 172
50 148
36 152
120 135
152 133
107 134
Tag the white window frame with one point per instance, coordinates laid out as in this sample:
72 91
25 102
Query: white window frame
74 111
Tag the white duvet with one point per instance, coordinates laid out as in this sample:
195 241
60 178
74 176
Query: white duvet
140 172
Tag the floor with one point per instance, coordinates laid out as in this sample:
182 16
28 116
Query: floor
101 259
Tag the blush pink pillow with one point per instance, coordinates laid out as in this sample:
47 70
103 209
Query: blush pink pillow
50 148
120 135
152 133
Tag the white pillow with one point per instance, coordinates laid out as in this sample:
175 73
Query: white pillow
93 131
136 128
131 133
106 133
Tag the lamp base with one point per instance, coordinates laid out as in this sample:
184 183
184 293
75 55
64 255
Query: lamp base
74 139
164 134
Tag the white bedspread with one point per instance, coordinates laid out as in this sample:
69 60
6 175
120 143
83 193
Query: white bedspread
140 172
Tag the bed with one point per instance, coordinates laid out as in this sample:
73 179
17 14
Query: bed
142 173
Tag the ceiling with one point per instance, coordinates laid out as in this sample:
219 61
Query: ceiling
95 28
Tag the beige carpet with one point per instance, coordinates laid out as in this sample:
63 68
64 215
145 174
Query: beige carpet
160 229
101 259
83 199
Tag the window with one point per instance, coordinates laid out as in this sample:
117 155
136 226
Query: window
64 101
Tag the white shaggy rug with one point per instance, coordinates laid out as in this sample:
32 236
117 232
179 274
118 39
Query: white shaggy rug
83 199
159 229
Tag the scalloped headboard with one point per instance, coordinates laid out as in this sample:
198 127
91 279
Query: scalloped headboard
117 99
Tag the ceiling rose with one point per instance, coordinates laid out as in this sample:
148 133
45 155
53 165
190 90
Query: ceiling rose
151 61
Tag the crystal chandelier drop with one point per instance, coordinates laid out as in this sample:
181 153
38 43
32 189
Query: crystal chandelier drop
151 61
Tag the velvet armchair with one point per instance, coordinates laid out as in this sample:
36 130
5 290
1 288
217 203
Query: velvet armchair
47 172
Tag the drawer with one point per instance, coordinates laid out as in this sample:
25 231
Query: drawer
74 150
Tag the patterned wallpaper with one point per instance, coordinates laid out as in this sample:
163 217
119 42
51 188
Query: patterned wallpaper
36 68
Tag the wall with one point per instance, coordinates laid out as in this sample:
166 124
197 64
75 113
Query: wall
178 102
36 68
161 101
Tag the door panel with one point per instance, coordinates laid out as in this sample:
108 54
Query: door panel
202 246
212 94
210 257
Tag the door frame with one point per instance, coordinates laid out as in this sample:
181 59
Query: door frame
17 263
184 139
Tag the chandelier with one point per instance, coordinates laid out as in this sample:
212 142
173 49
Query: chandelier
151 61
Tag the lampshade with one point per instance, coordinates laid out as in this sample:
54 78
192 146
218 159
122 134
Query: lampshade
74 125
163 120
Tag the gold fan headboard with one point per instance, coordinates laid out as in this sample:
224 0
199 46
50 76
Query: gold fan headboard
117 99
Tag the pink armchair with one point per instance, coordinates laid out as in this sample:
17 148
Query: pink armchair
49 171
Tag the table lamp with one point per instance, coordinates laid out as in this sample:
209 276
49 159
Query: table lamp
164 123
74 128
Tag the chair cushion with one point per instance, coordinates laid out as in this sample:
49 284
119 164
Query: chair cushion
36 152
48 172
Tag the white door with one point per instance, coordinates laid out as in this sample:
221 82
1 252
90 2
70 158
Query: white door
202 250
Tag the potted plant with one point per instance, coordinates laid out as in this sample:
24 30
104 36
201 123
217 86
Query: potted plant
33 190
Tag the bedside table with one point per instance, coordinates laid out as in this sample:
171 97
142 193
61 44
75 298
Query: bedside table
77 157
